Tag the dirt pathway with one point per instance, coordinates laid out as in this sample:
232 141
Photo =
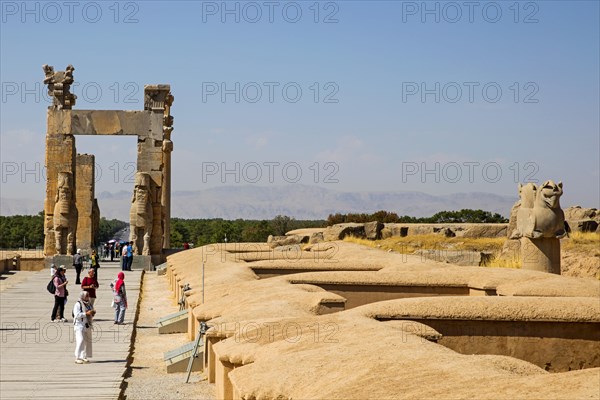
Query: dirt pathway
149 379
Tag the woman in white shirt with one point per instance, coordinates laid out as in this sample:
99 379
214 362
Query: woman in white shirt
83 313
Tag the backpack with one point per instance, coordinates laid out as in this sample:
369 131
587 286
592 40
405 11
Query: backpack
51 288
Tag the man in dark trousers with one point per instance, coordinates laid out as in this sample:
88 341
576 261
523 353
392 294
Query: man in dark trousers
78 264
129 255
124 257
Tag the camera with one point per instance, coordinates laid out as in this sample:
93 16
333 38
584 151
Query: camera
87 325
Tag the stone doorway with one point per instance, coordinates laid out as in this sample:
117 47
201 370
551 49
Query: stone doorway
151 195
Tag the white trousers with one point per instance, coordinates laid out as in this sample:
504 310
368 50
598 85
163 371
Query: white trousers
83 343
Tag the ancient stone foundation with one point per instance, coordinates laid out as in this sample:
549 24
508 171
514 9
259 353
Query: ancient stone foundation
381 324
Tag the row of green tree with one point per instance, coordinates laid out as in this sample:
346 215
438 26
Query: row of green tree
205 231
28 230
108 228
22 231
462 216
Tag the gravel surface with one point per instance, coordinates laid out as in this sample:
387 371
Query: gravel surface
149 378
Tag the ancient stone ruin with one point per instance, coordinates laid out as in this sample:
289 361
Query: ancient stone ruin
337 320
140 214
71 211
64 221
540 224
85 203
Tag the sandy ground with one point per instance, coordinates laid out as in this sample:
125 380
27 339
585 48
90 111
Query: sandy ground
11 278
149 379
580 264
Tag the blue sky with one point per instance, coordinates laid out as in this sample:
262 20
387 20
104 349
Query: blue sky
367 128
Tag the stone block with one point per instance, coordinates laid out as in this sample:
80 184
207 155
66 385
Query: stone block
142 262
340 231
316 237
373 230
178 360
58 122
457 257
541 254
59 260
174 323
276 241
155 130
577 213
110 122
421 230
486 231
589 225
161 269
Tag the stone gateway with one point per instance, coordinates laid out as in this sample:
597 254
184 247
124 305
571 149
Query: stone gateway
150 209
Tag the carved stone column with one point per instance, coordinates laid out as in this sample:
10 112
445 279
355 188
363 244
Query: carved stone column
141 214
60 154
151 159
166 192
64 221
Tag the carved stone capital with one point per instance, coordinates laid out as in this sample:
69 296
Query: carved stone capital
59 87
156 97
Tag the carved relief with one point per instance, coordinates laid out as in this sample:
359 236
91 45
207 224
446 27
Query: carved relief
65 215
141 214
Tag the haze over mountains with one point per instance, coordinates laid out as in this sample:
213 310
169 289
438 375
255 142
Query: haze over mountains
298 201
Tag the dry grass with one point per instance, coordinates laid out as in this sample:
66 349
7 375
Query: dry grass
412 243
580 252
579 243
583 242
498 262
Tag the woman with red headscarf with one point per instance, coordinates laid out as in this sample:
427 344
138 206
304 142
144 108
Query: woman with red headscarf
119 298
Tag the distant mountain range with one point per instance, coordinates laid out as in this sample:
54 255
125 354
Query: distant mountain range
298 201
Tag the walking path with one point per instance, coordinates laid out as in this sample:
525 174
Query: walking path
37 356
